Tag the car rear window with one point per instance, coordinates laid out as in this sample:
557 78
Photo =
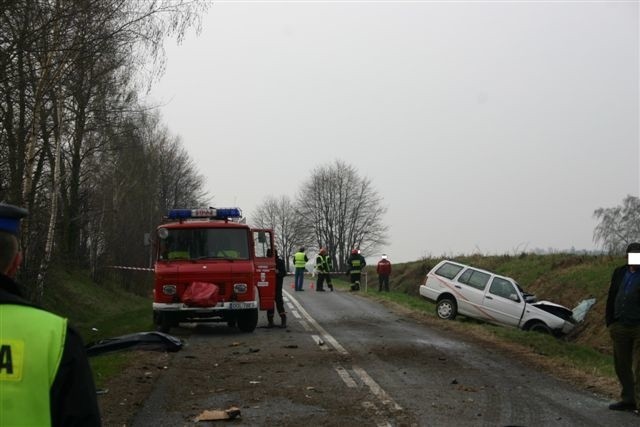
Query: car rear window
449 270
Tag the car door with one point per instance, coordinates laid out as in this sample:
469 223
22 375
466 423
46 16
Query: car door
471 286
500 302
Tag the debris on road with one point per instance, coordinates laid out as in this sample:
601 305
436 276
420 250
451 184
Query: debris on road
150 341
219 414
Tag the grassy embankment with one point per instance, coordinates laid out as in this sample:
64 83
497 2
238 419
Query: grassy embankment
98 311
561 278
565 279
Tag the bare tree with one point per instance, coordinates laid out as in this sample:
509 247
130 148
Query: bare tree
618 226
145 172
71 62
290 231
343 210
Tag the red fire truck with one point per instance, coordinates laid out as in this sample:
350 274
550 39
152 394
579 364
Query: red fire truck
211 266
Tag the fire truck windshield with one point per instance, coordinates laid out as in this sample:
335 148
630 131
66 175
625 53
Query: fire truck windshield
204 243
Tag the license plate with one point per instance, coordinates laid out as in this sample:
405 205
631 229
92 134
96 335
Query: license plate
240 305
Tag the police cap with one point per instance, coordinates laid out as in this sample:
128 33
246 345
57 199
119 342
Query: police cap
10 217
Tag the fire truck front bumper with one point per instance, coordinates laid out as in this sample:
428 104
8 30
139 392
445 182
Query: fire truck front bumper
220 307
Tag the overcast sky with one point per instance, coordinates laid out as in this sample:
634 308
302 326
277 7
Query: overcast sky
492 127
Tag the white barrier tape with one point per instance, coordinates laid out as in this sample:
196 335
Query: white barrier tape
121 267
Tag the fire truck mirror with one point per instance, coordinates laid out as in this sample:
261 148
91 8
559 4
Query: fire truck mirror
163 233
262 237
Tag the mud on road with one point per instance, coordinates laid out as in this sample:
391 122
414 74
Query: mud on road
288 377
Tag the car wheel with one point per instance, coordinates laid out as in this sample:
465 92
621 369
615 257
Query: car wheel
247 320
447 309
539 327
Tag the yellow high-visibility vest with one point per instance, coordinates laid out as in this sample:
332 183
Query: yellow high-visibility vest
31 346
298 260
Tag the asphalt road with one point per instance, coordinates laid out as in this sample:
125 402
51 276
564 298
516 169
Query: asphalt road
345 360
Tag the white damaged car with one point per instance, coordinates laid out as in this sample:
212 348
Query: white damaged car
461 289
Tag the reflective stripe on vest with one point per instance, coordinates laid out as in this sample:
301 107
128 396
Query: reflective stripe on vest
355 266
298 260
31 346
323 263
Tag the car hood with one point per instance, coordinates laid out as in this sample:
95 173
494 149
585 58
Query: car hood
555 309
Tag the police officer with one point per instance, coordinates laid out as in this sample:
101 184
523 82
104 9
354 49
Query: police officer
45 378
356 264
300 260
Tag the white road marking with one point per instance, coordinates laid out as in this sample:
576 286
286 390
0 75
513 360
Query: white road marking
342 373
320 343
306 326
376 389
296 314
328 338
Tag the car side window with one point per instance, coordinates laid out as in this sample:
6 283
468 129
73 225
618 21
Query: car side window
501 287
464 277
448 270
478 280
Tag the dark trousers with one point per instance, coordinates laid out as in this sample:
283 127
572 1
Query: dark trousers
626 358
322 277
355 281
298 278
279 301
383 280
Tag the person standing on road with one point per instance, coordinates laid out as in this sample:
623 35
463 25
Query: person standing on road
623 321
384 271
299 262
281 272
323 267
45 377
355 264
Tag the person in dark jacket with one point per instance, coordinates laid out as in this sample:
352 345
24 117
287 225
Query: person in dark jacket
45 377
355 264
281 272
623 322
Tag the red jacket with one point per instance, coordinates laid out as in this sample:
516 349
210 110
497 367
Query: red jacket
384 267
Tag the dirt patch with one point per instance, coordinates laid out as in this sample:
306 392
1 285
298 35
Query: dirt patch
282 361
126 392
591 381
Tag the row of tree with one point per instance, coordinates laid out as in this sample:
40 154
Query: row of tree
93 165
335 208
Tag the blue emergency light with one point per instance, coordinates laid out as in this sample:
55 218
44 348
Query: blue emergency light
223 213
220 213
